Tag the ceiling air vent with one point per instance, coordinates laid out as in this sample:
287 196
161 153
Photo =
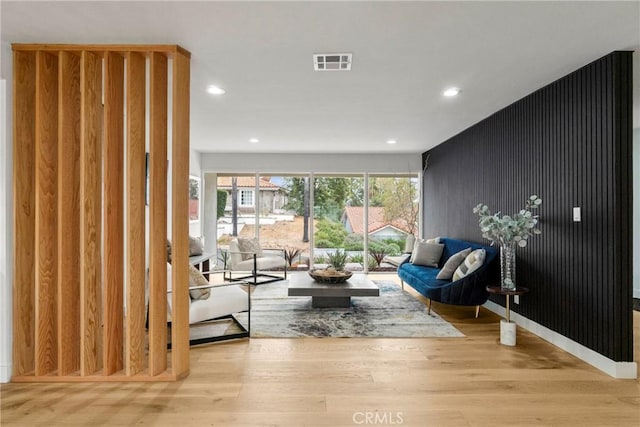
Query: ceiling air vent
332 61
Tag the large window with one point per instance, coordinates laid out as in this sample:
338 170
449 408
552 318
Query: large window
392 216
238 217
338 208
283 222
332 211
194 198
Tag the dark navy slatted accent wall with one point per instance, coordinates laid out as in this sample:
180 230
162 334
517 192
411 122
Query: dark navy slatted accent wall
569 143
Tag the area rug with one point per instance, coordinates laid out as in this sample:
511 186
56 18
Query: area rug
394 314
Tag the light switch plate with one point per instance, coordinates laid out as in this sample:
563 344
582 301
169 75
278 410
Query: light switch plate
577 216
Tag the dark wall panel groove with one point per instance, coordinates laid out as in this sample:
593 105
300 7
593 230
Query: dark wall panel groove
569 143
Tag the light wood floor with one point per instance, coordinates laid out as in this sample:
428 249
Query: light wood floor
471 381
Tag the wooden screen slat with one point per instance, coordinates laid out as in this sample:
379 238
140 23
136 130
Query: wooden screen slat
46 212
113 212
24 96
158 215
180 217
90 213
135 333
68 213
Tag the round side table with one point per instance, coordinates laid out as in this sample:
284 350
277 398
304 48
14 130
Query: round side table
507 328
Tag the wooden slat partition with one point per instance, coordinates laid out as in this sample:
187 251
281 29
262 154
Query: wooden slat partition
68 213
24 114
180 220
71 156
46 171
113 273
90 214
135 342
158 215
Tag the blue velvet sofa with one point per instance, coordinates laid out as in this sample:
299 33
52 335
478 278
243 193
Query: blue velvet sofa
469 290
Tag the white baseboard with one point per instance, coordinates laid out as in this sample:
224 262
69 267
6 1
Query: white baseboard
5 373
626 370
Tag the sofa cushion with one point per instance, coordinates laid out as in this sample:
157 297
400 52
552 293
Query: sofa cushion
249 247
197 279
427 254
418 241
471 263
263 263
422 279
235 257
224 300
396 260
196 246
452 264
409 243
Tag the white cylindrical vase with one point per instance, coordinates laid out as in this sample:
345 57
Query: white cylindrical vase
507 333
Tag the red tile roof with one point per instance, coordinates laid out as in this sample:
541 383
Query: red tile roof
224 182
355 216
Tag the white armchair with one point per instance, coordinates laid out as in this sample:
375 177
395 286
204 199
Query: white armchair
263 265
222 302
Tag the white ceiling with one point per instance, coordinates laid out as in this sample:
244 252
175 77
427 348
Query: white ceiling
404 55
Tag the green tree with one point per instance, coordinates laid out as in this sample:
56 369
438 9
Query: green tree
329 234
399 196
222 202
331 195
295 196
376 191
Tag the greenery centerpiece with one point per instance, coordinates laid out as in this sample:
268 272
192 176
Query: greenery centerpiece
335 271
510 232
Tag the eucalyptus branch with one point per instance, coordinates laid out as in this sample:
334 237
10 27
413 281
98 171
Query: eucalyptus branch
508 229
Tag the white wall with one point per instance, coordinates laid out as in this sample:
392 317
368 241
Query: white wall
316 163
6 218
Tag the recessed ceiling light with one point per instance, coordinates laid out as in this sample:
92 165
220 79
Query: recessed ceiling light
254 140
215 90
391 141
452 91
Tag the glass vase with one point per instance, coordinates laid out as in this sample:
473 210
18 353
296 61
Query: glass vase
508 266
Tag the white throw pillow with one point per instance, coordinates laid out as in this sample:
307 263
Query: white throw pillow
427 254
196 246
409 243
452 264
471 263
418 241
197 279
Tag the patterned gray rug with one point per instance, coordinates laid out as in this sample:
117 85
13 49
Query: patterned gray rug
393 314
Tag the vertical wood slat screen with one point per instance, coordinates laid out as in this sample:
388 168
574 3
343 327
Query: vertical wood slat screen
158 214
90 213
80 173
